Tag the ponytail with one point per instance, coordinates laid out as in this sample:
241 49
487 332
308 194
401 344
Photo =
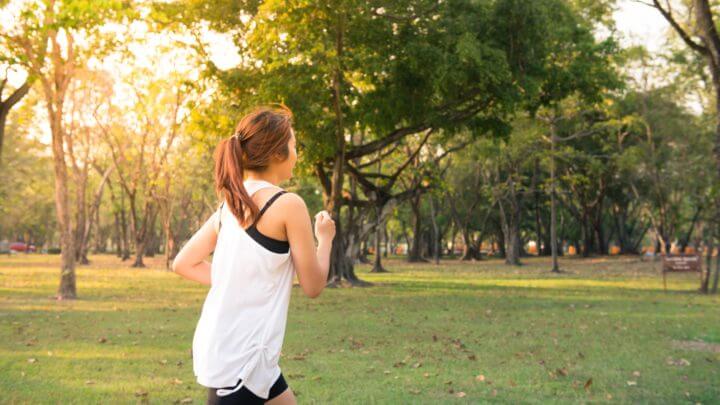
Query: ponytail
229 179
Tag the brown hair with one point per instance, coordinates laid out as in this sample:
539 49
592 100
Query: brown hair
258 136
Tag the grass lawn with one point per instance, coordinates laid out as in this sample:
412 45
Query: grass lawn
460 332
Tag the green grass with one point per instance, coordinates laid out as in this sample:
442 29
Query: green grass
422 334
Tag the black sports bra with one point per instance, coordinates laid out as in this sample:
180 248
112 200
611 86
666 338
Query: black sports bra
271 244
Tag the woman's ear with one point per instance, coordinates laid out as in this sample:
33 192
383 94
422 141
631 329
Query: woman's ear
278 157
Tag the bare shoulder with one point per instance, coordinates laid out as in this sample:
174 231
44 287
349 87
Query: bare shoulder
291 201
293 211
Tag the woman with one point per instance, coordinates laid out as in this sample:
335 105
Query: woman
237 342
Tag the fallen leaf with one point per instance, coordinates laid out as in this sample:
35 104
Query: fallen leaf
32 360
680 362
89 382
562 371
631 383
102 340
141 393
460 394
636 373
480 378
588 383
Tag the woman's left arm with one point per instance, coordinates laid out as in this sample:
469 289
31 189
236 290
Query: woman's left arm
190 261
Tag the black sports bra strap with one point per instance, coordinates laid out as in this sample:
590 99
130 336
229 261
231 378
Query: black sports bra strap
267 204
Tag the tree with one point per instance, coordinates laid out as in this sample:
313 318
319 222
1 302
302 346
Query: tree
141 142
45 41
394 71
701 36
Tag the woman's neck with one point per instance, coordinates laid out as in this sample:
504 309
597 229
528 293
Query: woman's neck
269 177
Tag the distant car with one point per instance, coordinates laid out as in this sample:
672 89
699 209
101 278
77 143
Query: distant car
4 248
22 247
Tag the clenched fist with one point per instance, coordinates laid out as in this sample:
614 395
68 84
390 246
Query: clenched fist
324 226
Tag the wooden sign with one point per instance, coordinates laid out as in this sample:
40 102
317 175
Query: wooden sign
681 263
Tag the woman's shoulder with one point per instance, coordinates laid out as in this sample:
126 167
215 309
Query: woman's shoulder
290 200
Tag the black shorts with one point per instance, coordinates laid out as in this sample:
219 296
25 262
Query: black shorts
244 395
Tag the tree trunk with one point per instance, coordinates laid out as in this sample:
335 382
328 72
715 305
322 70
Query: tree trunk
710 245
452 241
125 237
510 221
469 252
587 235
435 234
92 216
67 288
512 245
414 254
81 180
377 266
139 252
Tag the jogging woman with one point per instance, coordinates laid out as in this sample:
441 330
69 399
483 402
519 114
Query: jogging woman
238 338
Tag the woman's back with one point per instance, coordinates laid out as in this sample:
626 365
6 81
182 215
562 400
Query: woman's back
242 324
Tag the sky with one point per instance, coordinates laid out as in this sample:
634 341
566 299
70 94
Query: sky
641 25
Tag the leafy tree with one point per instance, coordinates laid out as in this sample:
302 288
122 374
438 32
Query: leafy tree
46 42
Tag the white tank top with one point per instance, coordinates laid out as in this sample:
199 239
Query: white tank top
242 324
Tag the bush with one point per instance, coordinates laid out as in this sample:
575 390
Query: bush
53 251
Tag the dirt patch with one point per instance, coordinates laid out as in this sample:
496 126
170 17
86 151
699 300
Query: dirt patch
697 345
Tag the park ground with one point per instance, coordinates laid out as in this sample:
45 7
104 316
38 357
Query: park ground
482 332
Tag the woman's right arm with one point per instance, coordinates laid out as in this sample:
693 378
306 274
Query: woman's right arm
311 264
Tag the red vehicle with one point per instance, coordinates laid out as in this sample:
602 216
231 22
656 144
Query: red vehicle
22 247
